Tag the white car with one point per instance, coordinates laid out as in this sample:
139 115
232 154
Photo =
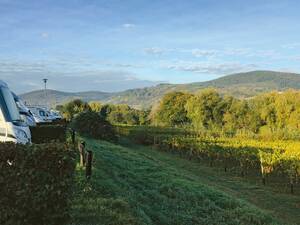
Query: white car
12 127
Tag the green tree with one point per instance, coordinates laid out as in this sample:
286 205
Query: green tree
206 109
95 106
72 108
171 110
241 116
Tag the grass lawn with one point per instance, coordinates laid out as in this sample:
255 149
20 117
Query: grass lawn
139 185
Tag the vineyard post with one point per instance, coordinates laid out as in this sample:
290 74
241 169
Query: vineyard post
88 169
292 184
211 161
172 144
262 167
225 164
191 153
293 177
73 135
242 168
263 174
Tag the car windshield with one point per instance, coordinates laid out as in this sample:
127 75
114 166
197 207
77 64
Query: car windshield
10 105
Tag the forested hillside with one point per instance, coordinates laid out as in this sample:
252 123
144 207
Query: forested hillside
241 85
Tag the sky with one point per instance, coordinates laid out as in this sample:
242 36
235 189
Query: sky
113 45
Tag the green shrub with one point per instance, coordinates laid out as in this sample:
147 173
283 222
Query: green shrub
93 125
73 108
35 184
48 133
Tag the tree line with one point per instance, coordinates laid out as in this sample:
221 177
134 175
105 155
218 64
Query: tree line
115 114
268 115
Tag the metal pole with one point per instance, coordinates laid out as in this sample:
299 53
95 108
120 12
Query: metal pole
45 90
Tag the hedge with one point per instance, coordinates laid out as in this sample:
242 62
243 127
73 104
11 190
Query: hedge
48 133
35 183
91 124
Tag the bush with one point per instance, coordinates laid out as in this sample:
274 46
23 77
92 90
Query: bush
48 133
35 184
93 125
73 108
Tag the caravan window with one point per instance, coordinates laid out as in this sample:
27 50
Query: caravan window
42 113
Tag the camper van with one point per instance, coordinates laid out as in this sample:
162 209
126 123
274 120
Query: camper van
12 128
55 115
40 115
24 111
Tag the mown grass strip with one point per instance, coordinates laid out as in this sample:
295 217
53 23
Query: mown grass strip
139 186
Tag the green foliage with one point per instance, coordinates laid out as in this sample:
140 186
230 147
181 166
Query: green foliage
123 114
171 111
48 133
240 116
275 114
115 114
206 109
71 109
59 107
35 184
93 125
95 106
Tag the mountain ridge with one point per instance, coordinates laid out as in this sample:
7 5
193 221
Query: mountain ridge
241 85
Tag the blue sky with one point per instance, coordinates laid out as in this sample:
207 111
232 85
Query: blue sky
111 45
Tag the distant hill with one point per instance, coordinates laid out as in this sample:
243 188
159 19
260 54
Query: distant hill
241 85
59 97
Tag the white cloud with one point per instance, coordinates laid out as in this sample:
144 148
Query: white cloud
203 53
291 45
121 65
210 68
155 51
215 53
237 51
45 35
128 25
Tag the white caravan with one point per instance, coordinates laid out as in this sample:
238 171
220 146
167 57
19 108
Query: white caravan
40 115
12 128
25 113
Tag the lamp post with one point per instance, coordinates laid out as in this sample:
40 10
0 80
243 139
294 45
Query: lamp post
45 90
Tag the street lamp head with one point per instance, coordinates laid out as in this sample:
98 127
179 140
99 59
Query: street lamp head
45 80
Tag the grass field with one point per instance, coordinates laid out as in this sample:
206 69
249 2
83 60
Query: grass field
139 185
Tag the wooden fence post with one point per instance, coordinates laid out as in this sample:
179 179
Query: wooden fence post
88 169
81 148
73 135
292 185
